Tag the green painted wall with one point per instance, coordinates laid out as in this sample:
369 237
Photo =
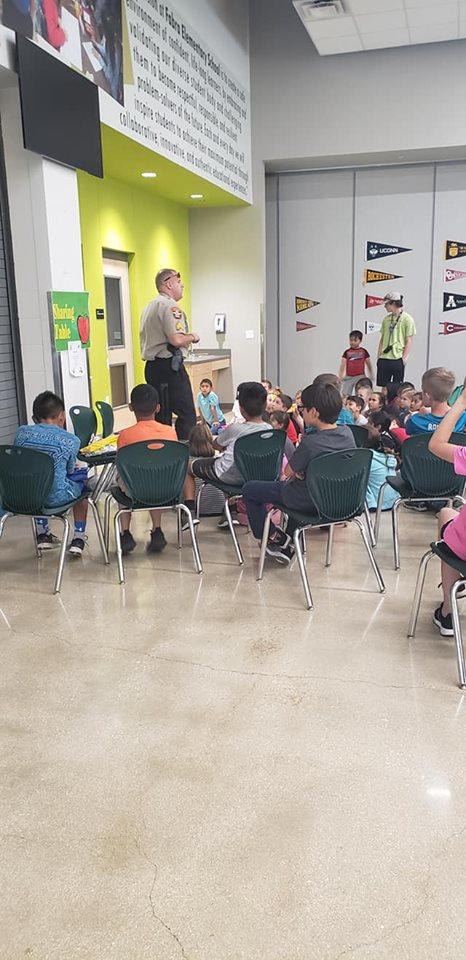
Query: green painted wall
153 231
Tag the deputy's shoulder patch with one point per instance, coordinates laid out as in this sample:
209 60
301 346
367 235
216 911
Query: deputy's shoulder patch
176 313
179 326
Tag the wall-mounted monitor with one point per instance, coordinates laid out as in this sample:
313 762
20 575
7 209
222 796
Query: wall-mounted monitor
60 110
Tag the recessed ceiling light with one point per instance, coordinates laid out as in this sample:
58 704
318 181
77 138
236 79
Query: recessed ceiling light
197 196
149 175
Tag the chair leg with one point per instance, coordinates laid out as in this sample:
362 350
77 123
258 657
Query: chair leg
100 532
369 526
367 544
265 537
34 535
328 554
179 529
303 539
396 539
421 576
457 628
3 520
116 527
108 500
198 501
103 481
302 568
62 554
378 513
182 508
233 533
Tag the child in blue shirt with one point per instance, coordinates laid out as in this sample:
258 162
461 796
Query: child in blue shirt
209 407
48 434
437 385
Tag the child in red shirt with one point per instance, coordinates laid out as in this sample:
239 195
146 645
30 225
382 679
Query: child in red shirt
353 364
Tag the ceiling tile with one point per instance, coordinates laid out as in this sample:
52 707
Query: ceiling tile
372 6
340 27
423 3
374 22
385 38
427 16
338 45
434 33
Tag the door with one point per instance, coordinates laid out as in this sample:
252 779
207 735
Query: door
119 339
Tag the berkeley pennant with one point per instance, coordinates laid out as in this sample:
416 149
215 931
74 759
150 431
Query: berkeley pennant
453 248
302 303
376 276
375 251
453 301
451 328
373 301
300 325
450 275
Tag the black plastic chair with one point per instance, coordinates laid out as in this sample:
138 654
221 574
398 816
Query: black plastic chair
360 434
107 417
84 422
337 485
26 478
423 477
153 473
442 551
257 456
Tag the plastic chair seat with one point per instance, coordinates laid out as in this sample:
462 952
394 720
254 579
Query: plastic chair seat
229 489
302 519
400 486
127 503
98 459
443 551
59 510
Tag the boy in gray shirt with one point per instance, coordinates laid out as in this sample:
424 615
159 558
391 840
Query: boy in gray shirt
252 399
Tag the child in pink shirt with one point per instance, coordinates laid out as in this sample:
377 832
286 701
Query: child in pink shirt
452 525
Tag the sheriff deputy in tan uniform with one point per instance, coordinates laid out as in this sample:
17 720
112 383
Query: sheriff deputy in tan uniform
165 337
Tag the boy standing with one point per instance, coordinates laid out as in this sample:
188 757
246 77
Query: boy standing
321 407
353 364
209 407
437 385
48 434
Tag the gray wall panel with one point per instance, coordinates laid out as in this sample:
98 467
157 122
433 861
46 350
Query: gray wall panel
448 350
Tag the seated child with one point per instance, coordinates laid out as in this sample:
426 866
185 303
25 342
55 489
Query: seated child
212 500
144 403
344 417
375 402
353 364
404 396
279 421
283 403
437 385
49 435
355 405
452 525
322 404
363 389
380 427
383 465
417 403
267 385
209 407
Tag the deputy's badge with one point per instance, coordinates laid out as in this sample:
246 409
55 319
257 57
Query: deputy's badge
179 327
176 313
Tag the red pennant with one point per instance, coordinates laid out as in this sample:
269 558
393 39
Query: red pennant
373 301
451 328
303 326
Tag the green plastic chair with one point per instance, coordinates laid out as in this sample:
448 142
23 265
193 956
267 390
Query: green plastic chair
337 485
107 417
258 456
423 477
26 478
360 434
84 422
153 473
442 551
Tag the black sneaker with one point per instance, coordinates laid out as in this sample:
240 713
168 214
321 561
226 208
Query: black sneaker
443 622
127 541
47 541
185 524
157 541
282 554
416 507
280 537
76 547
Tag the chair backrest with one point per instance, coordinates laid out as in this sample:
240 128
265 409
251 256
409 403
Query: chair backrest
154 471
337 483
106 415
26 478
84 423
259 455
425 473
360 434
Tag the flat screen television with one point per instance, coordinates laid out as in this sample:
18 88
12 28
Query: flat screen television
60 109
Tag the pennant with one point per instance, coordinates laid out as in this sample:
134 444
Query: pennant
374 251
453 301
450 275
302 303
375 276
451 328
373 301
300 325
453 248
372 327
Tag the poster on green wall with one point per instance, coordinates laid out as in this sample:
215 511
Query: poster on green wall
70 315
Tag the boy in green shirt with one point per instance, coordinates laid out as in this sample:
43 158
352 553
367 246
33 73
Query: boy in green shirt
395 342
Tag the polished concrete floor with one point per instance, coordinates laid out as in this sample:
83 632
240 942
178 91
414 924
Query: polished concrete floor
196 768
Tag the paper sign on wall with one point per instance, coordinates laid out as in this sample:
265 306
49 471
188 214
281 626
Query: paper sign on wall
76 359
376 276
374 250
450 275
453 248
453 301
302 303
372 327
70 314
373 301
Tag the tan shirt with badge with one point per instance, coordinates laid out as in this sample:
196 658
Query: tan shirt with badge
161 318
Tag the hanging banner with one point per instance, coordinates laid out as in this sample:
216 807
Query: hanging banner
300 325
376 276
450 275
70 315
372 327
453 301
453 248
302 303
374 251
373 301
451 328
